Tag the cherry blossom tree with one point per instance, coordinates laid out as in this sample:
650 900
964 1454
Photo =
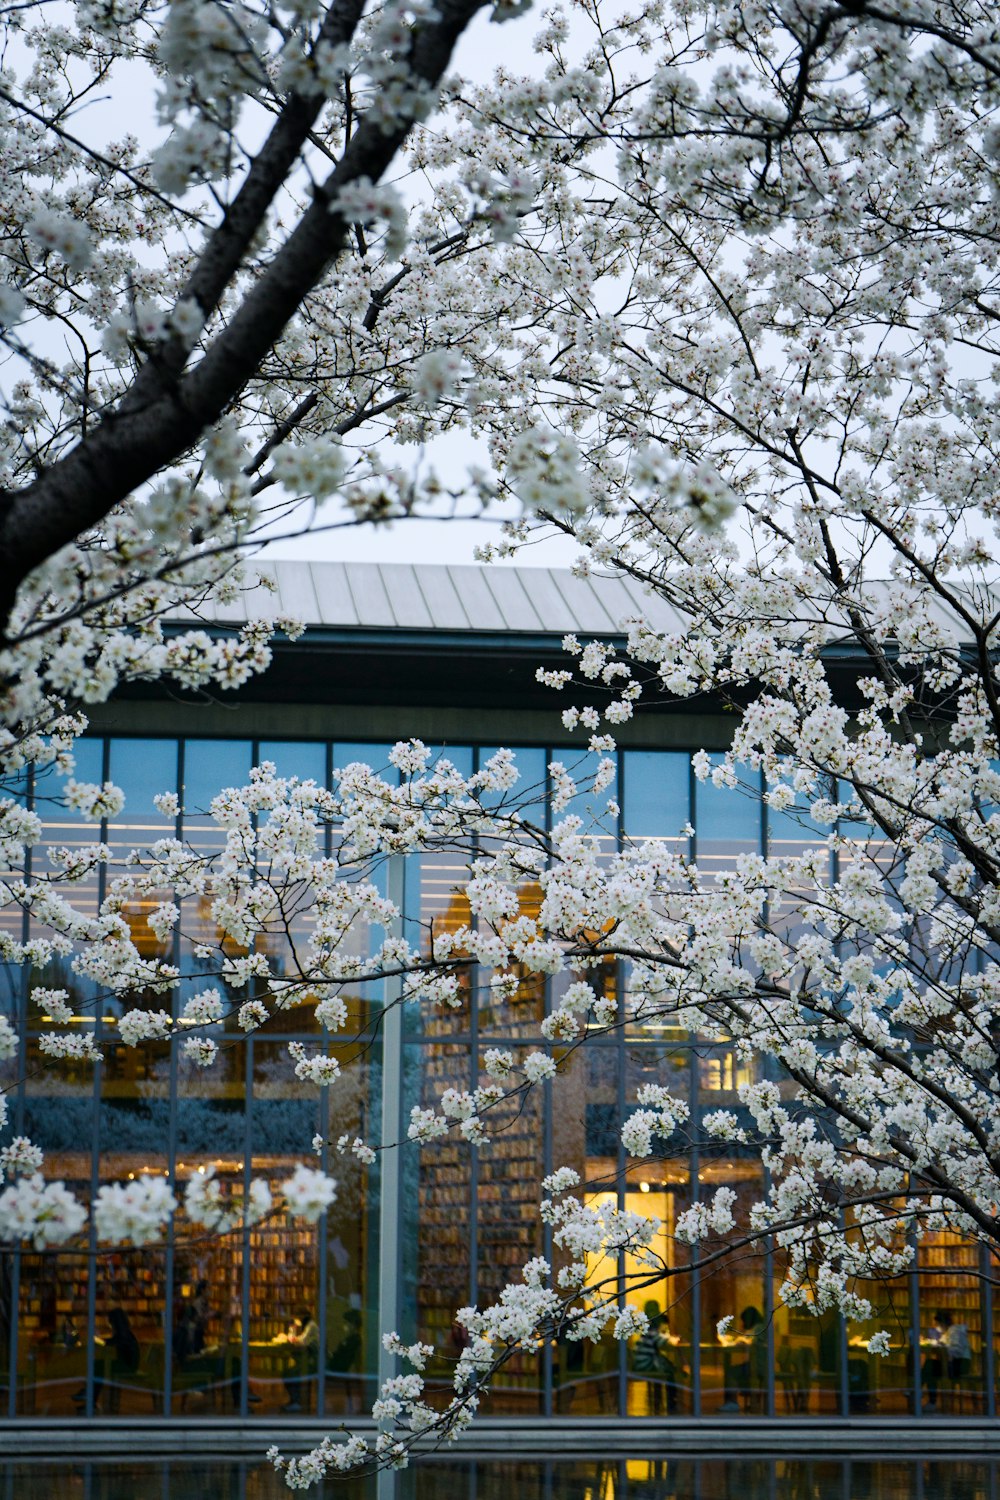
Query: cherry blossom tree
734 331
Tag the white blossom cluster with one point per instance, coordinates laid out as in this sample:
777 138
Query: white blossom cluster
43 1213
212 1206
656 309
20 1157
137 1211
308 1193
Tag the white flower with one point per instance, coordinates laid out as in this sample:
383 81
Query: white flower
560 1181
137 1210
11 305
219 1208
361 202
20 1156
187 319
44 1213
498 1063
69 1044
94 802
436 375
332 1013
9 1042
200 1050
204 1008
309 1193
425 1124
538 1066
66 236
148 322
629 1322
195 152
544 470
260 1201
251 1014
137 1026
317 1067
313 466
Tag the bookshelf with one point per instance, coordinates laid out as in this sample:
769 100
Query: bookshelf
949 1281
283 1276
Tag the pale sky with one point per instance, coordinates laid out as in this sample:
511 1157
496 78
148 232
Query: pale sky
484 47
129 106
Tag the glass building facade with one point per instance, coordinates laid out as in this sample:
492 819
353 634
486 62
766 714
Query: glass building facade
420 1233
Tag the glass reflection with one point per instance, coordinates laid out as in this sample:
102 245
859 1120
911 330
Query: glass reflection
514 1006
284 1313
51 1347
952 1322
656 795
142 768
807 1356
211 1315
208 767
62 827
888 1384
437 1250
609 1478
437 899
727 820
509 1232
734 1361
585 1375
208 1319
661 1362
351 1242
305 759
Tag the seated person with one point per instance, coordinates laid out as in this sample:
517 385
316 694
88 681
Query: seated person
125 1355
748 1376
303 1338
932 1366
343 1359
957 1350
652 1357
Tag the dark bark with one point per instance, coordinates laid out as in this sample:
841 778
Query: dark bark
167 409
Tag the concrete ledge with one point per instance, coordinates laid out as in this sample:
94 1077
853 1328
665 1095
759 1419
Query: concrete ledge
566 1438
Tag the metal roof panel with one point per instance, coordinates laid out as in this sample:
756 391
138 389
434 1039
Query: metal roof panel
660 614
544 587
335 604
367 583
474 599
479 600
443 597
406 597
615 599
296 591
583 595
512 598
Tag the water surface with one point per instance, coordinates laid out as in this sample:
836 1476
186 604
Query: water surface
634 1479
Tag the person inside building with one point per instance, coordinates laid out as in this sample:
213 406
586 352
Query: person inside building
192 1319
303 1337
343 1360
652 1358
748 1375
124 1359
932 1367
957 1354
794 1367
